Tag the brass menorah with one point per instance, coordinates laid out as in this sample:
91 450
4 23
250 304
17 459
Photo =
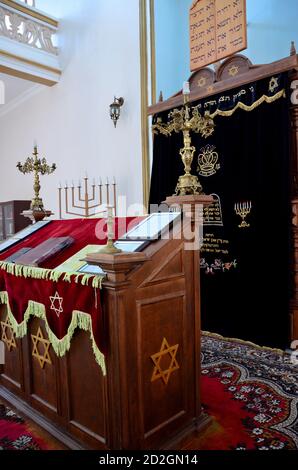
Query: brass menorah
100 194
38 167
243 210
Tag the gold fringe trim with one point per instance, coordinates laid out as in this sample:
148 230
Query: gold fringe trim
51 275
245 107
240 341
79 320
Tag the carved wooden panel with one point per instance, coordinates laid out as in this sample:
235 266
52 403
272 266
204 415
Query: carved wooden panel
12 369
43 387
232 67
202 79
86 389
170 268
167 399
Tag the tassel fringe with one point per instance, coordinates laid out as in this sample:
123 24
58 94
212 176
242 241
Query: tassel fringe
79 320
51 275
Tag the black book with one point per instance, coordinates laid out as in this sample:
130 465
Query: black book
13 258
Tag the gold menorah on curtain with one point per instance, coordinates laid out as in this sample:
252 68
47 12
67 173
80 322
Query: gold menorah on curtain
101 193
243 209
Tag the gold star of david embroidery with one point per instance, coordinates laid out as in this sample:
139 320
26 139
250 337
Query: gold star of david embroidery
233 71
8 337
273 84
38 339
56 304
166 350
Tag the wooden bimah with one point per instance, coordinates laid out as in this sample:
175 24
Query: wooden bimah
150 395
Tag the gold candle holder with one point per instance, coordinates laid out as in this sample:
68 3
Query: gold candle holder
110 248
186 120
38 167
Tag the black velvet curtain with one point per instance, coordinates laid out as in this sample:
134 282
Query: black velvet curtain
244 270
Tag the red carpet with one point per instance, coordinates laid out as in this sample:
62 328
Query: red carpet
15 433
251 394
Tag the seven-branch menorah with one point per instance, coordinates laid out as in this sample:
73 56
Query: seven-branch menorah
243 210
85 200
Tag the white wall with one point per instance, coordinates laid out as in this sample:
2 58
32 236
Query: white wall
99 41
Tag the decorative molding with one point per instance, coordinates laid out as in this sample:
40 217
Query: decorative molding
23 61
223 81
29 62
31 12
27 50
20 28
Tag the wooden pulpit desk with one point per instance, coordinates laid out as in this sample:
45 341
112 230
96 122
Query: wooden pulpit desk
150 397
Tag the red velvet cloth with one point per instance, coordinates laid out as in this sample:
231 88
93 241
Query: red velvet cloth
83 231
75 296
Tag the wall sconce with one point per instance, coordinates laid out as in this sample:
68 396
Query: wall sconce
115 109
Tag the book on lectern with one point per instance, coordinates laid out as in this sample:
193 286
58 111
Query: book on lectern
14 258
45 251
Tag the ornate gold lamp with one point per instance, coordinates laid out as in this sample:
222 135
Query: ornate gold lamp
186 120
38 167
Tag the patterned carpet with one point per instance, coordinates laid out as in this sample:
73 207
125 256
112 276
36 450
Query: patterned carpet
250 393
15 433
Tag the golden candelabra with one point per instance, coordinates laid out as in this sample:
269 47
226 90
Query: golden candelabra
110 248
186 120
38 167
78 195
243 210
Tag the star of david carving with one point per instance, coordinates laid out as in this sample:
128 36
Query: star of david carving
56 304
234 70
43 358
210 89
202 82
165 350
8 337
273 84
